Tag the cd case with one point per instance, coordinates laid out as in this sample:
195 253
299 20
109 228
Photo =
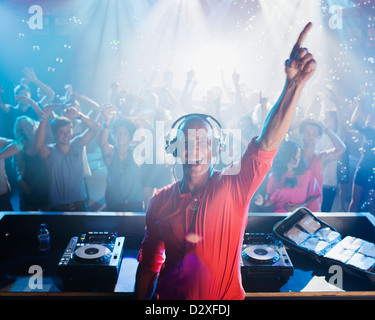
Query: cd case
303 232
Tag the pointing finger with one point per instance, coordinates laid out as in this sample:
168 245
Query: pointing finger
300 39
304 33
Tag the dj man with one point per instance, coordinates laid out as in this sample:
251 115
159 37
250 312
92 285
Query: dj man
195 227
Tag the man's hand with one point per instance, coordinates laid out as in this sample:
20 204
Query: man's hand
72 113
300 66
46 112
30 74
109 111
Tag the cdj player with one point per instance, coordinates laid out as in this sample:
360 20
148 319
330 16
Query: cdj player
91 262
265 264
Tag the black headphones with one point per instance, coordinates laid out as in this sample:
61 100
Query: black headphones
171 145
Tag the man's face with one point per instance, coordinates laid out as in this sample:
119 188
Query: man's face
64 135
310 135
195 148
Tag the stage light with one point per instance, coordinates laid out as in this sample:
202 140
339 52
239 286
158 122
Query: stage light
95 42
208 61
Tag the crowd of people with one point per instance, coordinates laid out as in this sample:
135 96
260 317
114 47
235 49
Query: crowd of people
325 162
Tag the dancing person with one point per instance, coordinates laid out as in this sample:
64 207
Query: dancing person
64 159
339 122
32 173
291 184
195 227
330 174
26 106
8 148
124 190
311 131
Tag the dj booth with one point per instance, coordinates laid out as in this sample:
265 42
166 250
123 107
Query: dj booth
25 271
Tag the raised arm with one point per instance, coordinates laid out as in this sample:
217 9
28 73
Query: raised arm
40 146
32 103
93 126
334 153
9 148
49 93
238 101
186 96
299 69
92 104
107 148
